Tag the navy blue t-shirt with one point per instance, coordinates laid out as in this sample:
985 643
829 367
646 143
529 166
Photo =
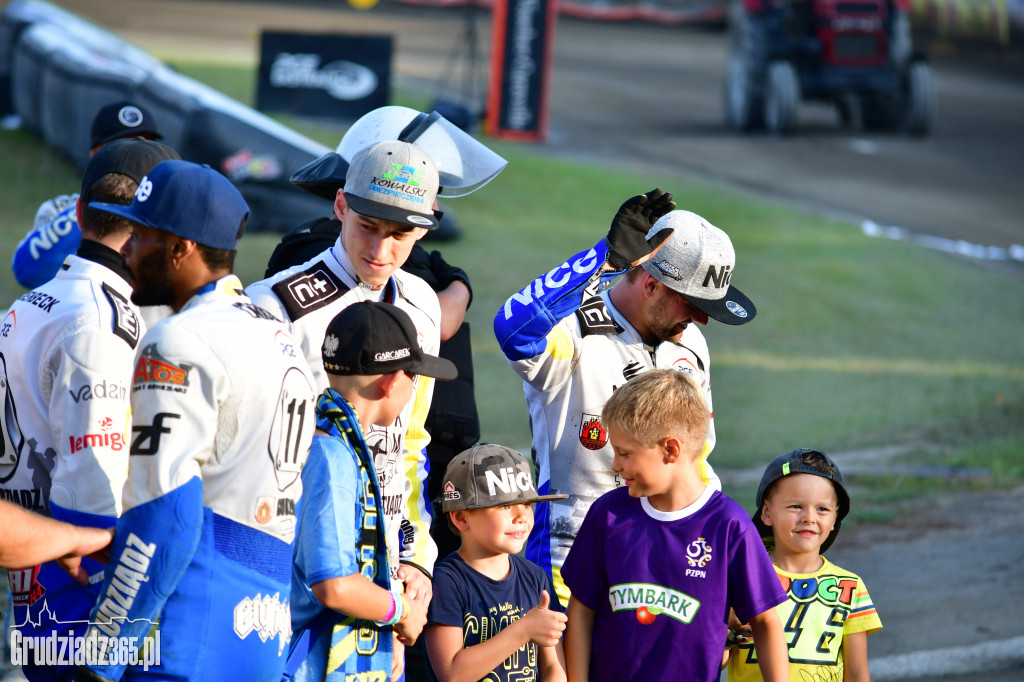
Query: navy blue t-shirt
467 599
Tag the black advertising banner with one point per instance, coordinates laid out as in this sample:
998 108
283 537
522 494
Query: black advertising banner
334 76
522 47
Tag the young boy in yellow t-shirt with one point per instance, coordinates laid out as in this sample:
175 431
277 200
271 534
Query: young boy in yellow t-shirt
801 502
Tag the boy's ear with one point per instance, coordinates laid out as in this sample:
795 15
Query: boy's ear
388 383
673 449
459 520
766 516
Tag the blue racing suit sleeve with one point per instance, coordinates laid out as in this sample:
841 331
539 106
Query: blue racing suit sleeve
54 236
154 544
528 316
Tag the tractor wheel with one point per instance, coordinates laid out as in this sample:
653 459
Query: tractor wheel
881 110
920 99
782 98
848 107
743 109
743 90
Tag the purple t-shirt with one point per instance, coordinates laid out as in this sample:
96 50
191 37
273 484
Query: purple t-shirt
661 584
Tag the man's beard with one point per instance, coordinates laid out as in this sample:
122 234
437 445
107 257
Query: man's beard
153 282
660 327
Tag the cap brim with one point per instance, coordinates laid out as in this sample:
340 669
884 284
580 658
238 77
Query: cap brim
127 134
322 177
122 211
438 368
733 308
394 214
539 498
549 498
763 531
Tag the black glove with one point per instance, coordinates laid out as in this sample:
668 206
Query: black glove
434 270
626 240
418 264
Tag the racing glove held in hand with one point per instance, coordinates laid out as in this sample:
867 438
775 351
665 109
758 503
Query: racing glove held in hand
627 237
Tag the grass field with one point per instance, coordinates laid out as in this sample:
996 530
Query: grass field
858 344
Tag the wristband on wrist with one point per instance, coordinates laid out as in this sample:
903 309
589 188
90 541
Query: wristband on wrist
391 610
399 609
405 608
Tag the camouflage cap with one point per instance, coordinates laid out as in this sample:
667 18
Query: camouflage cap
489 475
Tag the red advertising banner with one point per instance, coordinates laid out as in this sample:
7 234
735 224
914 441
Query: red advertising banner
522 50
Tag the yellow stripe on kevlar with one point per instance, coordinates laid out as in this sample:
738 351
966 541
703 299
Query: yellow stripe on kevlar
559 344
416 439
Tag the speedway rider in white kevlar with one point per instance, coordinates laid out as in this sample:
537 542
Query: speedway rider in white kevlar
67 351
223 419
386 206
573 345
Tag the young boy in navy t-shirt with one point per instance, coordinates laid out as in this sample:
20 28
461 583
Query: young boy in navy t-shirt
494 615
658 563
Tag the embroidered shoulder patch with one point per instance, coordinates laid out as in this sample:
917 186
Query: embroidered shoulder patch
309 290
594 318
126 322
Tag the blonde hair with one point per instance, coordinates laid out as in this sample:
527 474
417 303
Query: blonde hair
657 404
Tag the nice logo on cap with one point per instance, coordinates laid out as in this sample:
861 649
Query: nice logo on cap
719 276
509 478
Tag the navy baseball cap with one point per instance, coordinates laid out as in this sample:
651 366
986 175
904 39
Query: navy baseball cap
192 201
793 463
133 158
122 119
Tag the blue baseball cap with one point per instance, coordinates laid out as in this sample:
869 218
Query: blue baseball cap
192 201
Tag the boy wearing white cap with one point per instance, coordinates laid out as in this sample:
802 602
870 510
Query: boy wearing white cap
574 343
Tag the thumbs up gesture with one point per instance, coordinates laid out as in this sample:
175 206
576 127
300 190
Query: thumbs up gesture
544 626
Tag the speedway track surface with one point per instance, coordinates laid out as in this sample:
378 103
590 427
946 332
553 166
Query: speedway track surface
649 96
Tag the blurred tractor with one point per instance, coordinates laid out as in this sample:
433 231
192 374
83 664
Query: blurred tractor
855 54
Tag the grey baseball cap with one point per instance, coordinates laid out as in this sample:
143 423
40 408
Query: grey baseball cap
793 463
394 181
697 261
489 475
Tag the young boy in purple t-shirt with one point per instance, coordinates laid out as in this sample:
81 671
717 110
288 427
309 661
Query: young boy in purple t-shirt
656 566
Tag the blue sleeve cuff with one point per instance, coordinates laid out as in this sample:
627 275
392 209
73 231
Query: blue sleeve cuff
154 545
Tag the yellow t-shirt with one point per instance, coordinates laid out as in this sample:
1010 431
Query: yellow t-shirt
822 607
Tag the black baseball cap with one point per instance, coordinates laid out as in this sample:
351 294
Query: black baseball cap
134 158
369 338
793 463
123 119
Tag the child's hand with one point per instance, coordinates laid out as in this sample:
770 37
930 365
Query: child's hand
543 626
411 627
397 658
